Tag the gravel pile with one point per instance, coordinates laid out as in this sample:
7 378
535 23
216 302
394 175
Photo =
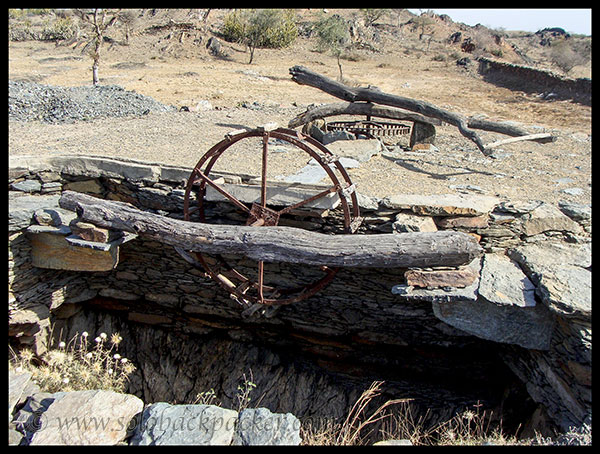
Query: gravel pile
29 101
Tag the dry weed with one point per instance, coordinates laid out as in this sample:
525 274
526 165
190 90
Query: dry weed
79 364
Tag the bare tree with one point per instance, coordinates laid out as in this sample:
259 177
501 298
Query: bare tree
100 19
128 18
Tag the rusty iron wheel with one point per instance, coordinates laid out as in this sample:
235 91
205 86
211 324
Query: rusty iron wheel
253 291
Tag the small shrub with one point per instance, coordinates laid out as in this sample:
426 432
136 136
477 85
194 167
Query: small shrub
244 391
61 28
371 15
207 398
333 35
266 28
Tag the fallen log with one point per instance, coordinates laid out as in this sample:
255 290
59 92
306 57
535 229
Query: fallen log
359 108
280 244
305 76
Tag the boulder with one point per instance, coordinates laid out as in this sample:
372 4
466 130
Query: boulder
503 282
95 417
548 217
407 222
422 133
165 424
258 426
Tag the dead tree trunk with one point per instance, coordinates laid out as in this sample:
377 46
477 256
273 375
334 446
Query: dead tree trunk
305 76
359 108
281 244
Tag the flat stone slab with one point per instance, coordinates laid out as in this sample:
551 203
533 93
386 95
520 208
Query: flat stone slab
560 272
576 211
529 327
17 383
540 257
460 277
22 207
313 173
27 186
54 216
278 194
464 222
442 204
360 149
503 282
165 424
51 249
442 295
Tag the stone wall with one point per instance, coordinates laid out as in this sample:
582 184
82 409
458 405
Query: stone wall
534 80
441 331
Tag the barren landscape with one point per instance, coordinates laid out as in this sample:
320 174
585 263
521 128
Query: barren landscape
461 256
177 69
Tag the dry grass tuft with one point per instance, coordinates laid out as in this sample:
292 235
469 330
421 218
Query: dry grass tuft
79 364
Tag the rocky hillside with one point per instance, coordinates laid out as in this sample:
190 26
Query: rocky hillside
184 33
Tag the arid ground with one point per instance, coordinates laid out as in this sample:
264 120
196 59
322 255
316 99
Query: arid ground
177 69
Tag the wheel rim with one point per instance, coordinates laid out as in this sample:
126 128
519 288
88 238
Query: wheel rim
254 291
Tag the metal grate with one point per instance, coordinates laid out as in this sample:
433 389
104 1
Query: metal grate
369 128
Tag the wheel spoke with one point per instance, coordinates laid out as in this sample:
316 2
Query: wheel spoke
222 191
310 199
261 272
263 187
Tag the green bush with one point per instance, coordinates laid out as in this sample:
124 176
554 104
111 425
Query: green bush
269 28
61 28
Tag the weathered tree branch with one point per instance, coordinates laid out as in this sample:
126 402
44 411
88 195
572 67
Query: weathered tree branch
281 244
305 76
358 108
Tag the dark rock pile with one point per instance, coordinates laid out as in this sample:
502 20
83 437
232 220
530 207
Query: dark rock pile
29 101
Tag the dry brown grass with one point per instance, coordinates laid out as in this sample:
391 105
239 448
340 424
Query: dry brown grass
79 364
